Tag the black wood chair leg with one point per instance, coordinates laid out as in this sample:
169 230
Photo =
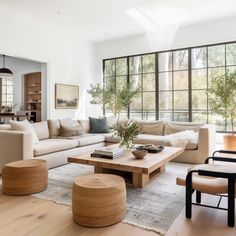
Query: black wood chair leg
198 196
188 210
231 202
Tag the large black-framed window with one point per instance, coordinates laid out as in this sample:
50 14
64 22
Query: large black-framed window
173 83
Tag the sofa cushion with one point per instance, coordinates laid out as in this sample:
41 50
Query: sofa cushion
171 128
85 125
41 129
150 139
68 131
5 127
24 126
161 140
152 127
98 125
88 139
53 145
54 128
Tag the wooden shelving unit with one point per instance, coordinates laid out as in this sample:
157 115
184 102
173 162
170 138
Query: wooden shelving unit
33 98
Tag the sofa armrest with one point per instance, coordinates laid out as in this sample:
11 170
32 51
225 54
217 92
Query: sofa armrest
15 145
206 139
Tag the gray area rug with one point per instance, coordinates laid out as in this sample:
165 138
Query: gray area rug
153 207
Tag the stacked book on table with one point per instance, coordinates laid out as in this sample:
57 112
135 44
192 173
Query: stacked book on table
108 152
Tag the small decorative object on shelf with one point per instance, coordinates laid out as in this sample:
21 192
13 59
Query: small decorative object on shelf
127 131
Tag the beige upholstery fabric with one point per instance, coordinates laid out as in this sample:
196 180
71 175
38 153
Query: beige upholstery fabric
85 125
15 145
68 131
152 127
41 129
149 139
5 127
26 127
207 184
171 128
54 128
60 158
88 139
53 145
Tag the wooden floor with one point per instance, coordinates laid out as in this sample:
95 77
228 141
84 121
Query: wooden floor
33 216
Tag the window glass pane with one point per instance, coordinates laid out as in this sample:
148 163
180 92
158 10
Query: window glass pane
180 59
165 61
148 115
217 120
4 81
199 79
231 54
135 65
213 72
9 89
216 56
136 81
121 82
4 89
110 68
149 101
167 116
149 63
165 100
149 82
199 58
110 82
181 116
199 100
199 116
165 81
181 100
231 69
180 80
136 116
136 104
121 66
10 81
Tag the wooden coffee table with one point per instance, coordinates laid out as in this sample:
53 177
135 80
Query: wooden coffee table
136 172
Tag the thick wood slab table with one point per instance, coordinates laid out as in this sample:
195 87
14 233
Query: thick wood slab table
136 172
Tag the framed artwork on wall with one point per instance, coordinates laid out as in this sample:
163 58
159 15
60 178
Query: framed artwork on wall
66 96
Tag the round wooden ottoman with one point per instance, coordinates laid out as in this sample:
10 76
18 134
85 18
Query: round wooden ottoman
24 177
98 200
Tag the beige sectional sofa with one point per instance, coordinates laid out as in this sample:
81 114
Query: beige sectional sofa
18 145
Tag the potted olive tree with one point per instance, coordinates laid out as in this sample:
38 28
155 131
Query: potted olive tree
222 100
114 100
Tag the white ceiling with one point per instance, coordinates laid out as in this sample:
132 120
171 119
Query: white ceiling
99 20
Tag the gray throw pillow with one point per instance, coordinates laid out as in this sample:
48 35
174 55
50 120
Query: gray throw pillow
68 131
98 125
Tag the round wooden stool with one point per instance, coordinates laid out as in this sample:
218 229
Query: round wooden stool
24 177
98 200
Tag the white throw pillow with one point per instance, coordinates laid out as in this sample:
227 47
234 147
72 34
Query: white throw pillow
24 126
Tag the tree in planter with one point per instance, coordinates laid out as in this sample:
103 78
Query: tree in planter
114 100
222 98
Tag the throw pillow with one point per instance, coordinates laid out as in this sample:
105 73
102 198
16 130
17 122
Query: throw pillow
98 125
26 127
68 131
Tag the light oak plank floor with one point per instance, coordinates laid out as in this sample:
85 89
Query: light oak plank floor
31 216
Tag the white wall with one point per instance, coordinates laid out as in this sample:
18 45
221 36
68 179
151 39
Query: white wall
69 58
192 35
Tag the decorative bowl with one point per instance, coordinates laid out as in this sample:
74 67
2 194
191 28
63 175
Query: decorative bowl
139 154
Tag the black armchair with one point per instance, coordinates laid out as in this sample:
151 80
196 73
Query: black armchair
221 181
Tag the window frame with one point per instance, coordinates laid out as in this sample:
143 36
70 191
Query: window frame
189 70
